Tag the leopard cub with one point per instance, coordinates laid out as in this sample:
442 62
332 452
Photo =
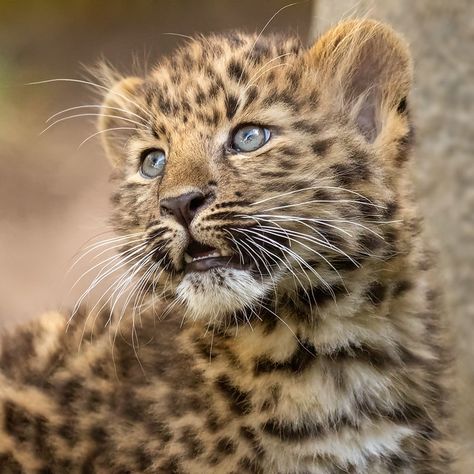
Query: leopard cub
284 316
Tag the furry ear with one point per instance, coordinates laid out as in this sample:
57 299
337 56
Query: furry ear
366 67
120 115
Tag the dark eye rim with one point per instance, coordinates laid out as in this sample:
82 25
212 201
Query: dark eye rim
142 158
229 145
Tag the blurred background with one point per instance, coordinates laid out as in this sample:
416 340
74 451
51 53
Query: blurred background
54 195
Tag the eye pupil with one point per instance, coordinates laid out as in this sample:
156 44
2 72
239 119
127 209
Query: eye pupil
153 164
250 138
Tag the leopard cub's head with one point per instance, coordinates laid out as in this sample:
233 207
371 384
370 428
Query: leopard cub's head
251 167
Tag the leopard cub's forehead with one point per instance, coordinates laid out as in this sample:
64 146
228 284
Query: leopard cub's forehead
230 71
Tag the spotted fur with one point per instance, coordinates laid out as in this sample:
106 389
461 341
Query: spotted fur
325 353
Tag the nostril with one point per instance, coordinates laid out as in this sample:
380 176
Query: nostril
197 202
184 207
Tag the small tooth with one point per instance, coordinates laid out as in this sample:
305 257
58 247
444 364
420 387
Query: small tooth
187 258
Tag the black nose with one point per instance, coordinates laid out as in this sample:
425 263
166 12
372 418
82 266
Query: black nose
183 208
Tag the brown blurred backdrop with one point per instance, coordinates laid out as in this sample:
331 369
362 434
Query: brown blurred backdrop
54 196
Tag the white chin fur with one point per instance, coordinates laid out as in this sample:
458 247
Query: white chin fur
219 292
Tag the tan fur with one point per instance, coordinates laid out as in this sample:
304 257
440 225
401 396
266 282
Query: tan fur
325 352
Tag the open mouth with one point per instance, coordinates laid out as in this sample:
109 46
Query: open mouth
200 258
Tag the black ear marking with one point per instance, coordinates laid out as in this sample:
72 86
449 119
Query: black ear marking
402 106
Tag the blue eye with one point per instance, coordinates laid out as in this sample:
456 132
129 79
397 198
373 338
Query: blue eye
153 164
250 138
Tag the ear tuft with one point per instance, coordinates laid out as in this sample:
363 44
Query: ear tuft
120 111
366 68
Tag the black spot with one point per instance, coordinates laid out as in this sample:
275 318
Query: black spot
239 401
234 39
251 96
405 144
200 98
322 195
372 355
214 118
369 243
289 432
159 430
260 51
274 174
98 434
289 151
131 407
154 132
301 359
319 296
21 425
170 466
214 90
69 391
251 466
408 413
213 423
189 438
235 71
231 204
231 105
307 127
321 147
402 287
397 462
99 366
65 465
250 435
225 446
68 431
9 465
282 98
185 404
314 98
332 236
164 105
294 77
390 210
143 459
238 194
376 293
402 106
347 174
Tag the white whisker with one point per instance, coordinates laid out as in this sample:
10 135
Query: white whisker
90 137
96 106
312 201
140 126
90 83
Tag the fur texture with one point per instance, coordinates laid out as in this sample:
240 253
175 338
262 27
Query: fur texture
324 352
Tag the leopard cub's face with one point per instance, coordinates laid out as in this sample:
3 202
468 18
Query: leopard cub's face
247 168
